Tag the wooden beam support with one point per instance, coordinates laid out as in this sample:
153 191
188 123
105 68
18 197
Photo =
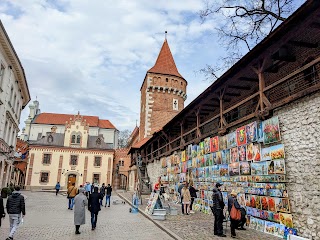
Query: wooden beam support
239 87
303 44
248 79
233 94
223 121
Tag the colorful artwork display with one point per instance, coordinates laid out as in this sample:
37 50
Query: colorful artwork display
231 140
234 169
251 131
241 136
271 130
277 152
265 154
214 144
223 142
242 151
234 155
245 168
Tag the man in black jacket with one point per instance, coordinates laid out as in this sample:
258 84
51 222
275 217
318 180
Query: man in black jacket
2 213
94 206
193 194
102 192
15 206
217 209
108 195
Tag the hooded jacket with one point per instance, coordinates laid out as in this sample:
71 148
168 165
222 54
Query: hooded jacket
15 204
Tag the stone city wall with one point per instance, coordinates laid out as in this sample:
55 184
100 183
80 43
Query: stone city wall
300 133
154 172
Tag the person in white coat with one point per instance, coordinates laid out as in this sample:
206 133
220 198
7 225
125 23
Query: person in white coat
80 203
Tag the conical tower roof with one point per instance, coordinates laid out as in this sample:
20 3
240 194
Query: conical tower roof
165 63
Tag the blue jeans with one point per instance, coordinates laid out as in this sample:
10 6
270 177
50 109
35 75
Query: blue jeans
108 200
14 223
71 203
94 219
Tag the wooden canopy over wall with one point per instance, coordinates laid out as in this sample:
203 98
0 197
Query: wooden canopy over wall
282 68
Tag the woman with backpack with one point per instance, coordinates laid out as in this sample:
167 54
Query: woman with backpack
234 212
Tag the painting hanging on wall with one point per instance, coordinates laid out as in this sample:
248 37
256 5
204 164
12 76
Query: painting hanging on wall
234 169
265 154
277 152
214 144
271 130
218 158
249 152
231 140
223 168
282 205
234 155
222 142
256 152
259 168
241 136
251 131
242 153
270 167
206 145
286 219
279 166
245 168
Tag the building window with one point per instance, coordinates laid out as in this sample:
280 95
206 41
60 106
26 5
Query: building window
1 75
73 139
78 139
98 142
97 161
5 130
44 177
11 95
96 178
14 101
175 104
50 139
121 163
46 158
167 79
74 160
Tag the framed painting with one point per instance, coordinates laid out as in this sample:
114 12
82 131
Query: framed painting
214 144
245 168
241 136
279 166
206 145
271 130
218 157
251 131
234 169
256 151
222 142
231 140
234 155
223 169
242 151
277 152
286 220
265 154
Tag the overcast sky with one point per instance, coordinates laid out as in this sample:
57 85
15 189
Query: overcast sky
92 56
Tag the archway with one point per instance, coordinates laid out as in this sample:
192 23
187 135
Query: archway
123 182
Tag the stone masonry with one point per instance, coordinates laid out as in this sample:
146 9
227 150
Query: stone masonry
300 132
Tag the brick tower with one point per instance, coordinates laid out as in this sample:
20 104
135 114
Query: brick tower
163 93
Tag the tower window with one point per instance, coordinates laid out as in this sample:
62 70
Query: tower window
181 83
167 79
73 139
175 104
78 139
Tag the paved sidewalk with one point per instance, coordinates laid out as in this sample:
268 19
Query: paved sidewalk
198 226
48 218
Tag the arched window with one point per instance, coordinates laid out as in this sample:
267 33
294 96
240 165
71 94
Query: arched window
78 139
50 139
98 142
73 139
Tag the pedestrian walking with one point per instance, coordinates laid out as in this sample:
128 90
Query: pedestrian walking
92 187
57 188
72 192
179 191
217 209
88 189
80 203
102 192
94 206
193 194
15 206
108 195
2 213
234 218
186 199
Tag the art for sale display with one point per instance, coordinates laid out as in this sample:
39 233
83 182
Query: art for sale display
231 140
276 217
214 144
223 169
234 155
194 162
256 152
260 225
225 198
286 219
241 199
259 168
277 152
270 165
184 167
281 231
241 136
242 151
282 205
182 177
271 204
248 204
183 157
207 145
207 174
189 151
260 132
258 202
189 164
210 159
270 216
269 228
271 130
202 161
264 203
206 160
215 170
245 168
201 145
218 158
251 131
265 154
279 166
289 231
194 151
249 152
225 155
253 223
222 142
234 169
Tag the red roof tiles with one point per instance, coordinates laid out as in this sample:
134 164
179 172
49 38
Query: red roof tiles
165 63
61 119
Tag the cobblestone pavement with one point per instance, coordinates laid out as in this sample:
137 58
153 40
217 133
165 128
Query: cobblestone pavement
47 217
199 226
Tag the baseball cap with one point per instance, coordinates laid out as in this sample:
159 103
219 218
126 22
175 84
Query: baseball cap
219 183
